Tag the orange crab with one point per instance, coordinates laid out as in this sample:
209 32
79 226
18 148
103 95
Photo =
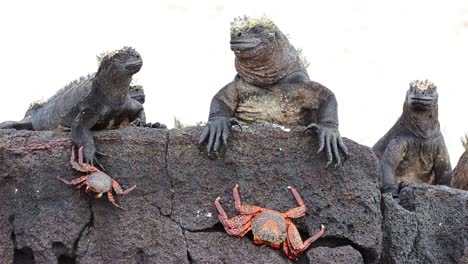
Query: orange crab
96 181
269 227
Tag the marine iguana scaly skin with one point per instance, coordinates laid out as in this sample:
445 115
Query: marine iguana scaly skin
99 101
271 86
460 173
413 150
137 93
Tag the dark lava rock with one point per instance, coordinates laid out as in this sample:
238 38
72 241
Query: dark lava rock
171 217
338 255
204 248
428 225
264 160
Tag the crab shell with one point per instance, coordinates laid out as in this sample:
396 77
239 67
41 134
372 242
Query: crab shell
99 182
270 228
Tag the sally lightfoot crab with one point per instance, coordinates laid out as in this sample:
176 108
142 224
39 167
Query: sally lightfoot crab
96 180
269 227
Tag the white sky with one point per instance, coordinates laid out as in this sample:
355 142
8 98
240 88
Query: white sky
366 52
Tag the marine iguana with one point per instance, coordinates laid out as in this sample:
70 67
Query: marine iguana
460 173
413 150
136 92
99 101
271 86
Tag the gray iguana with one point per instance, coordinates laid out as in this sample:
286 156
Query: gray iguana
271 86
413 150
99 101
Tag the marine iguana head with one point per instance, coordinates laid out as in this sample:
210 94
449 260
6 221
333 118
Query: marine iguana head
124 62
137 93
251 37
420 111
115 73
263 54
422 95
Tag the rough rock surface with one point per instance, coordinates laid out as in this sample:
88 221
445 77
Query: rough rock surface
338 255
428 225
171 217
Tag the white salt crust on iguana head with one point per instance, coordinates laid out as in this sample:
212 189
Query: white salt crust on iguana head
241 24
423 85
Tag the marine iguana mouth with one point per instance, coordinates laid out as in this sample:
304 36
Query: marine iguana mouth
242 45
422 103
134 67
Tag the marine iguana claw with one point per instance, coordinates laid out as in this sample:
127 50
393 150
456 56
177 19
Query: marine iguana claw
233 121
217 132
331 142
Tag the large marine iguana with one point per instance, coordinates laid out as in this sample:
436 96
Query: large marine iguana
413 150
99 101
271 86
460 172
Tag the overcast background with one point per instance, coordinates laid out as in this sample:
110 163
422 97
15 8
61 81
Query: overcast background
366 52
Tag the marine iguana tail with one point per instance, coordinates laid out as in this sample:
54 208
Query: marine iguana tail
460 173
413 150
271 86
99 101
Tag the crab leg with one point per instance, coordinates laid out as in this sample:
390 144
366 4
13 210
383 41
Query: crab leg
80 166
73 162
287 250
79 186
297 246
244 209
75 181
118 188
297 211
236 226
112 200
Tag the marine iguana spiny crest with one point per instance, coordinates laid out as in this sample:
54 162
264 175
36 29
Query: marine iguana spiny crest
413 150
98 101
460 173
271 86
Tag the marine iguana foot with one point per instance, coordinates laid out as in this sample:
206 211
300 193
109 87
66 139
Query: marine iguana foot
153 125
88 155
330 141
137 123
158 125
234 122
217 131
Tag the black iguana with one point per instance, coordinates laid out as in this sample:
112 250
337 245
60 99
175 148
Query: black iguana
99 101
413 150
271 86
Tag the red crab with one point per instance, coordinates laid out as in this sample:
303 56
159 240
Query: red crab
269 227
96 181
